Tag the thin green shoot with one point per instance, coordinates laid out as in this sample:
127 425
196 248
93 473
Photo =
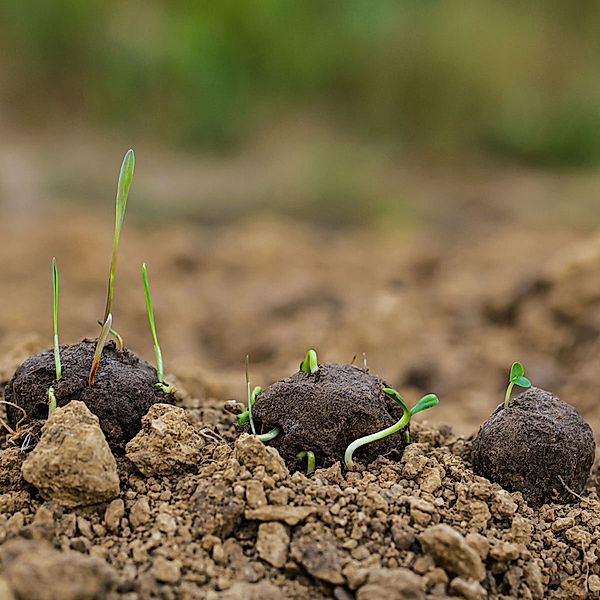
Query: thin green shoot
55 319
310 364
159 361
125 177
99 346
115 334
265 437
515 378
51 401
424 403
310 460
252 427
244 416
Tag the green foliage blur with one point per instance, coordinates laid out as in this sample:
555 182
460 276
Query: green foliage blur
517 78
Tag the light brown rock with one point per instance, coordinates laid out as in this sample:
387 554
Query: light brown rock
72 463
291 515
392 584
165 570
272 543
167 442
140 512
450 551
252 453
113 514
35 569
468 589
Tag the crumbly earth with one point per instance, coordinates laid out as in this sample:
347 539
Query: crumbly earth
238 525
538 445
123 390
325 412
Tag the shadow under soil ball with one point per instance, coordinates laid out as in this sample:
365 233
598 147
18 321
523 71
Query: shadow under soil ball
532 444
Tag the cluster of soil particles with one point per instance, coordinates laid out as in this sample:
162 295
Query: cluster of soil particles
238 524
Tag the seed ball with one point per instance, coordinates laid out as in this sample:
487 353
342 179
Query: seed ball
538 445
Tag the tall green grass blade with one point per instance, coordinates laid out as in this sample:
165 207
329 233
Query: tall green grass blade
125 177
157 352
55 319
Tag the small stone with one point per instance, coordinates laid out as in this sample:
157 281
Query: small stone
72 463
392 584
594 583
421 511
291 515
563 523
35 569
166 571
166 522
430 479
272 543
469 589
252 453
450 551
504 551
167 443
479 542
115 511
255 494
85 528
521 530
503 506
5 592
314 548
139 512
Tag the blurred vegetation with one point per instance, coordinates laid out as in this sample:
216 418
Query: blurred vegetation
517 78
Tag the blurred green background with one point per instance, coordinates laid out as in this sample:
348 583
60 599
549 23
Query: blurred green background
511 82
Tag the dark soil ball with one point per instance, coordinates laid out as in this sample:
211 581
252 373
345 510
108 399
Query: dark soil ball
327 411
123 390
533 443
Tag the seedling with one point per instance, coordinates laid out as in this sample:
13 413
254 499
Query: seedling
310 460
265 437
159 361
57 365
244 416
125 177
113 332
515 378
310 364
249 397
424 403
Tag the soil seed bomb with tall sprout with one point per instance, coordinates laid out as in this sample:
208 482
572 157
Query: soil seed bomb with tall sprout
114 383
326 413
535 444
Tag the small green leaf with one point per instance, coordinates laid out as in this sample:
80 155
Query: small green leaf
424 403
522 381
392 394
310 364
516 371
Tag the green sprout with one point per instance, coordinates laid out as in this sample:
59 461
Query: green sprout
424 403
159 361
265 437
310 458
251 419
57 365
310 364
243 417
113 332
515 378
125 177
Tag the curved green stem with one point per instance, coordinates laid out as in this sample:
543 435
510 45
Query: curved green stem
265 437
367 439
244 416
119 338
508 391
157 352
99 347
310 460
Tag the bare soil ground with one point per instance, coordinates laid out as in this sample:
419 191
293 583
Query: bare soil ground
444 311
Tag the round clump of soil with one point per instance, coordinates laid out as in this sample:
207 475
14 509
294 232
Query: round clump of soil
123 390
325 412
538 445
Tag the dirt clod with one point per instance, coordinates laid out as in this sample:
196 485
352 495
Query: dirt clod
167 443
72 463
538 445
123 391
326 411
